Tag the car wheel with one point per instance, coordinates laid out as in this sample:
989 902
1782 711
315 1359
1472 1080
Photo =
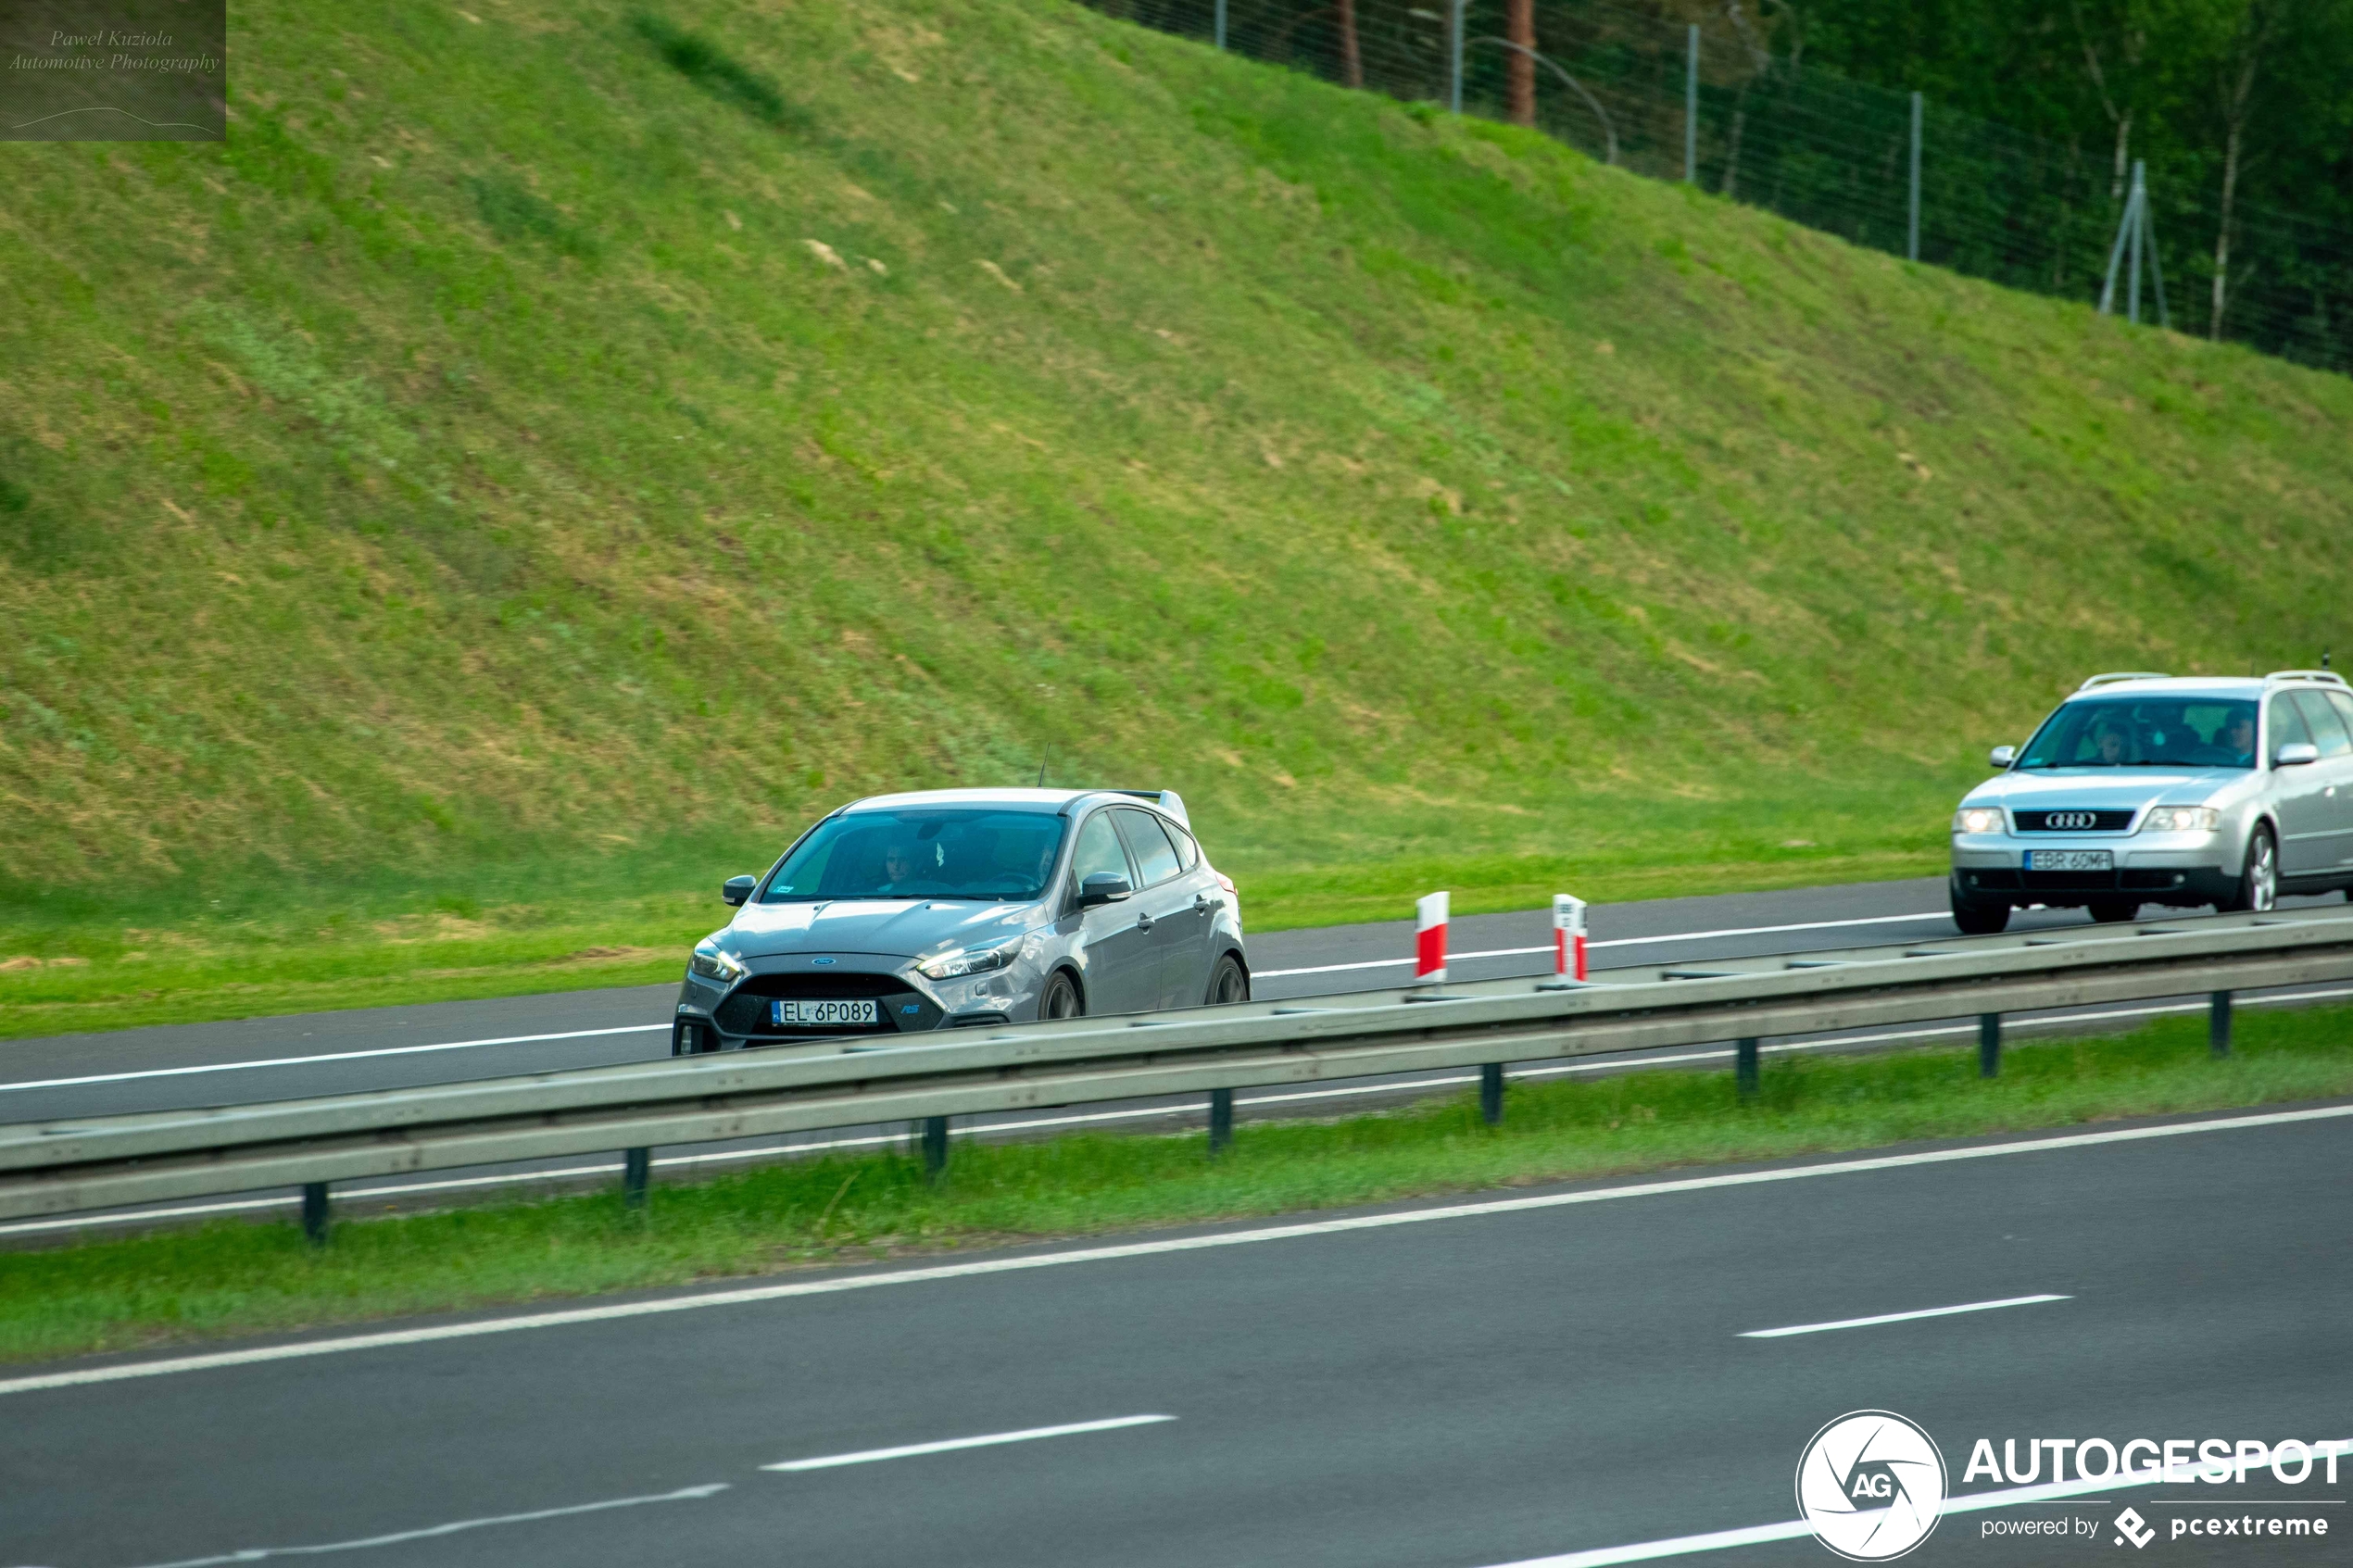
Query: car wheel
2259 887
1980 920
1228 984
2113 912
1062 998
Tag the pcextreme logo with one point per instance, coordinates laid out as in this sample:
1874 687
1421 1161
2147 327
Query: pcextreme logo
1872 1486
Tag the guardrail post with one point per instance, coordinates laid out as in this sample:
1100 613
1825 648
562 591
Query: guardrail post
637 1165
314 1214
2218 1022
1491 1094
1745 1067
1989 1045
1221 1119
934 1147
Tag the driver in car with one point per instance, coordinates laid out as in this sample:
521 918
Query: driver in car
900 869
2237 739
2109 743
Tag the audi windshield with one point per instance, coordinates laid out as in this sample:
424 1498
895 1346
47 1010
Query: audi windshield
922 852
2188 732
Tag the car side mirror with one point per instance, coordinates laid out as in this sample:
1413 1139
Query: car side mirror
2296 754
2003 756
1102 887
736 889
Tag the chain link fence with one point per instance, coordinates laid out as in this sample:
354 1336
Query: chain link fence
1715 105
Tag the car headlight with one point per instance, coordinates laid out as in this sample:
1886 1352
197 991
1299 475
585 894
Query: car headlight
1978 819
2182 819
958 962
711 963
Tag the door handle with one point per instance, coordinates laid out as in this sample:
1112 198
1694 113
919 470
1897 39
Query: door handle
1143 923
1202 905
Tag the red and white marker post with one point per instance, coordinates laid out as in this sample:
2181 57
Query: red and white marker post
1568 937
1430 939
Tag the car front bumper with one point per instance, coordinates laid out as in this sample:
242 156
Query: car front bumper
2180 869
709 1017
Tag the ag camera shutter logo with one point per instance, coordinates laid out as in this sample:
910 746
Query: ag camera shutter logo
1872 1486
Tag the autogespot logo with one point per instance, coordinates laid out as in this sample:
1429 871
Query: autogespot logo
1871 1484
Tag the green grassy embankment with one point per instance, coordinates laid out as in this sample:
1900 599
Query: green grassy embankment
552 450
241 1277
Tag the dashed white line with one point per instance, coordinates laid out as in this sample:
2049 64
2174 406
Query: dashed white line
1901 1317
912 1450
835 1284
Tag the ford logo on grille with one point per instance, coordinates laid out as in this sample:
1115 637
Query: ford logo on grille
2064 821
2087 822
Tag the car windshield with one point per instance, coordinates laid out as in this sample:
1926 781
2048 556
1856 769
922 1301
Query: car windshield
922 852
2174 732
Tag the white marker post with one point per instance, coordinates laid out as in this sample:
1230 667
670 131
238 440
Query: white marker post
1430 939
1568 937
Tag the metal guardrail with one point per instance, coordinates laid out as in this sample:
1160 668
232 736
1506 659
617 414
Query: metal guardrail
94 1162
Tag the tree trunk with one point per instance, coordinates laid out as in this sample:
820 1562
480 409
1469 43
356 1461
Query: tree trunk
1352 64
2222 232
1519 26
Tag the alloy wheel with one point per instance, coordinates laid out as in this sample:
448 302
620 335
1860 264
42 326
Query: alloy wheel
2263 875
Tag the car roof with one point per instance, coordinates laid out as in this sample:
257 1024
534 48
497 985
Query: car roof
2243 687
1021 799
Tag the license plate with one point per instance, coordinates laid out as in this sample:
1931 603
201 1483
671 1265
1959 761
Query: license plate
802 1011
2071 859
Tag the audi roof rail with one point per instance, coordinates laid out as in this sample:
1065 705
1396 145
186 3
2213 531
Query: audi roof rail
2115 675
2325 677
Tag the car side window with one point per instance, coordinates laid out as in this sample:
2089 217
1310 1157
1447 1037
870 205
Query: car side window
1155 856
2344 705
2287 724
2328 730
1187 850
1098 850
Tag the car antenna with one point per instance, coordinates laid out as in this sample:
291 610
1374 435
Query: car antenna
1041 765
2325 659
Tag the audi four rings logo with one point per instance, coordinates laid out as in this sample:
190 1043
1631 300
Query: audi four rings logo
1871 1484
2063 821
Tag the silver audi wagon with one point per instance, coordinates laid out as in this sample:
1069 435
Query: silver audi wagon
2152 789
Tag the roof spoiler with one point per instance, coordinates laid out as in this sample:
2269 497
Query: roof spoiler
1167 799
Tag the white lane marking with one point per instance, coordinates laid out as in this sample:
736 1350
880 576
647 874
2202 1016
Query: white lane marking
912 1450
978 1267
767 1151
257 1554
1900 1317
1616 941
1756 1534
329 1056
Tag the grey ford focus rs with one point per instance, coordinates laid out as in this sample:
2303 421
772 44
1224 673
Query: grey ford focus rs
951 909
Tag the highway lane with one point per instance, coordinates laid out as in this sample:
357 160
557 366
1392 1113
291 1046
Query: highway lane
1457 1392
174 1066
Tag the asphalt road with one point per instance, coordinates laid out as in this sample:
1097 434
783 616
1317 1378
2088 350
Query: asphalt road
1521 1380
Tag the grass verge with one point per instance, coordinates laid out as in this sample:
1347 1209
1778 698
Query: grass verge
238 1277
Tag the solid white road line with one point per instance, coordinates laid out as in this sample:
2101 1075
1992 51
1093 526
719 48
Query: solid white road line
982 1266
1090 1118
1616 941
1900 1317
868 1456
329 1056
258 1554
1968 1502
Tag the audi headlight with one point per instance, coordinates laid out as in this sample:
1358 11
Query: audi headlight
709 961
958 962
2182 819
1978 819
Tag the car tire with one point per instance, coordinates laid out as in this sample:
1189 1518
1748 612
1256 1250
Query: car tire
2259 887
1062 998
2114 912
1980 920
1228 983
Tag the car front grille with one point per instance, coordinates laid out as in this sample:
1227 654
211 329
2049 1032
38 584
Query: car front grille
899 1010
2073 822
